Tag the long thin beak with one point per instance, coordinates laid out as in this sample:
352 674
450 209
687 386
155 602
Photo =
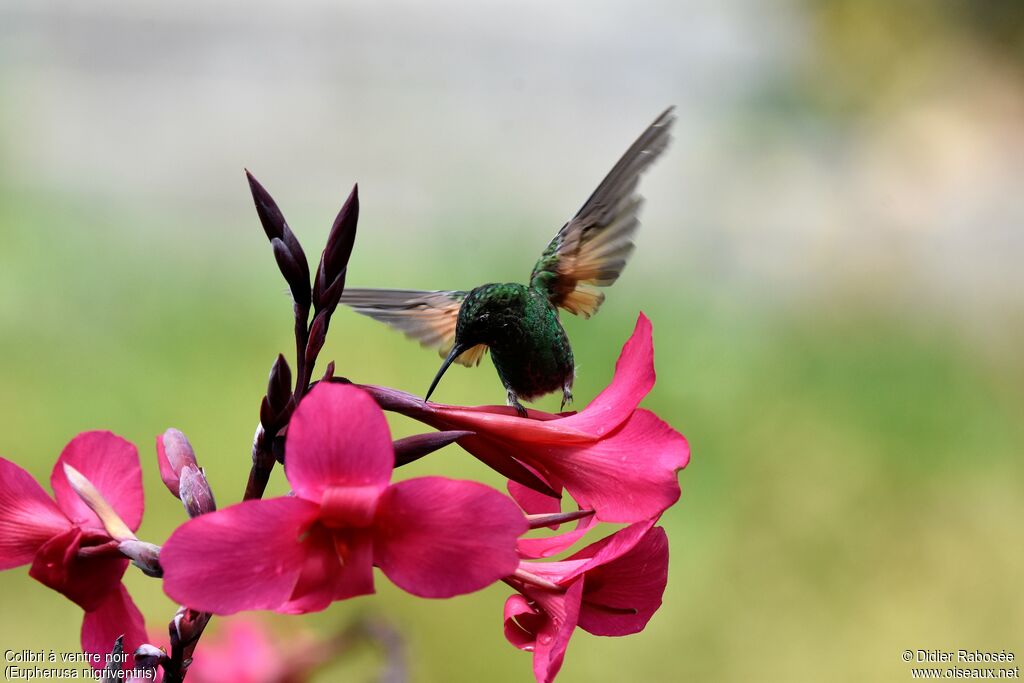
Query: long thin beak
457 349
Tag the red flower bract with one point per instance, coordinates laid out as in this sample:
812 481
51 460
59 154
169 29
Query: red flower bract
66 544
433 537
612 457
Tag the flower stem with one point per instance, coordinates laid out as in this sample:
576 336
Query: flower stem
262 465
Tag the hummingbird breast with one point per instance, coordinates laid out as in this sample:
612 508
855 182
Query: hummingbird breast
530 349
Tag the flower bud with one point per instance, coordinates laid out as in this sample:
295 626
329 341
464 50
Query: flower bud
148 657
145 556
290 257
330 275
173 453
553 519
277 404
112 671
195 492
185 629
412 448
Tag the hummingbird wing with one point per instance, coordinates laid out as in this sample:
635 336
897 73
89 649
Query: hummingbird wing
427 317
592 248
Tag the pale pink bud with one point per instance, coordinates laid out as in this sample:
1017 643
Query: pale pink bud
173 454
195 491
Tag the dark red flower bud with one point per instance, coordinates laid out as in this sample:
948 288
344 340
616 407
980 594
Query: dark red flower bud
148 657
329 372
330 276
290 257
415 447
276 406
113 668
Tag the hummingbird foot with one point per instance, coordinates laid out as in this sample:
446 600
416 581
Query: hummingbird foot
513 401
566 396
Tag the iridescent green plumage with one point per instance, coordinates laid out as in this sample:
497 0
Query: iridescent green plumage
519 323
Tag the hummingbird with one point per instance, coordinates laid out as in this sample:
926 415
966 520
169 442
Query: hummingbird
519 323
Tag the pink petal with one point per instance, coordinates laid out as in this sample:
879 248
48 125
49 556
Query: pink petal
512 412
533 502
314 588
560 572
509 426
355 548
437 537
522 622
337 437
628 476
87 581
247 556
114 617
28 517
621 596
595 555
325 578
611 547
552 545
561 611
112 465
633 379
500 456
495 420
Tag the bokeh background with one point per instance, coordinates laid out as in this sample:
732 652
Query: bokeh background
830 256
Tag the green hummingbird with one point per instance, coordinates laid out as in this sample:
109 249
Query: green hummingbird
519 323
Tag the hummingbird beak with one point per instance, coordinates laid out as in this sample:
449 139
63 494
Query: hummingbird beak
457 350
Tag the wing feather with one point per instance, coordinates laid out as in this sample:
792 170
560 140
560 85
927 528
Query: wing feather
427 317
592 249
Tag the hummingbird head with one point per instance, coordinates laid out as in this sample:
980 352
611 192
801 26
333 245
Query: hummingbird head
473 327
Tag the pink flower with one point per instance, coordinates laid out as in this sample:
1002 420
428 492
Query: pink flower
434 537
612 457
245 652
66 543
610 588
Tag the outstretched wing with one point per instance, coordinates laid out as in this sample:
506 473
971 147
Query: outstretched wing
592 248
427 317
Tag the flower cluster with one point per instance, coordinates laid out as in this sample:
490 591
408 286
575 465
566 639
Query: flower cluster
614 459
433 537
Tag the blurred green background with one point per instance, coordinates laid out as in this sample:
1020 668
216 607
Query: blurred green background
830 257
